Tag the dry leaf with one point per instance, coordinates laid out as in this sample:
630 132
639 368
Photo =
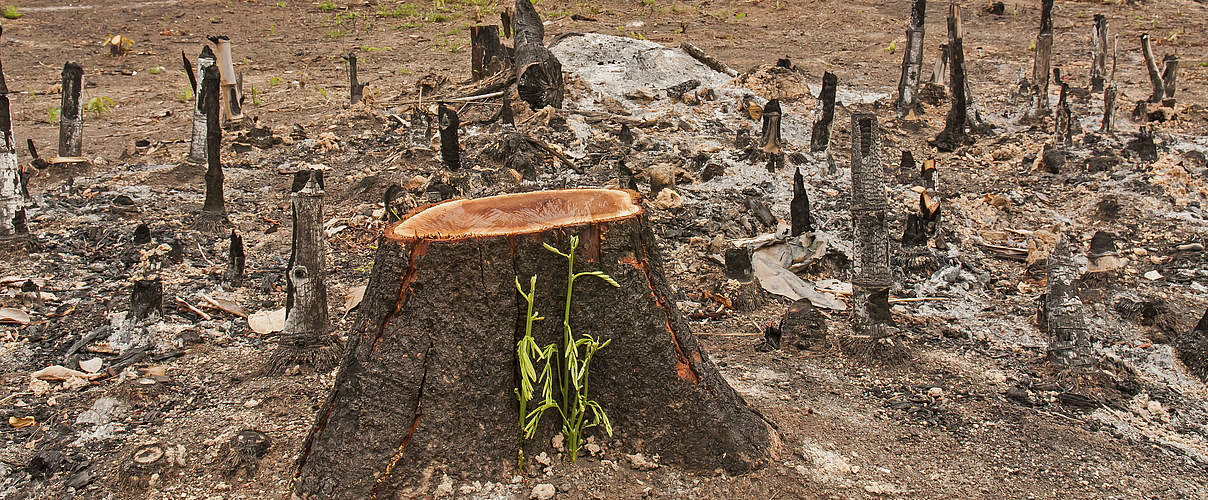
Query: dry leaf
355 295
92 365
20 422
56 372
264 322
10 315
226 305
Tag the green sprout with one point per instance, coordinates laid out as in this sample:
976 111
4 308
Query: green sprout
327 5
185 95
99 105
10 12
572 362
52 115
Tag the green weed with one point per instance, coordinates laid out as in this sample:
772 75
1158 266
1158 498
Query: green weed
327 6
99 105
10 12
52 115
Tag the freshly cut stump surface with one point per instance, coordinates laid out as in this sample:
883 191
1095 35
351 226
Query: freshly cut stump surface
427 386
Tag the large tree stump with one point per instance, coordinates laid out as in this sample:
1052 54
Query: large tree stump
427 386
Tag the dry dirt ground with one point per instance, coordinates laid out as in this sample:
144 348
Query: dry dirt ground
966 408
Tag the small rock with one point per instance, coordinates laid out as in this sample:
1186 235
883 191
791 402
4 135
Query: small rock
593 449
445 488
543 491
557 442
935 392
640 462
543 459
1153 276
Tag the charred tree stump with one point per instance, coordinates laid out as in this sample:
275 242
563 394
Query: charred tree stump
213 212
146 298
71 116
820 139
799 208
1042 65
232 94
538 72
1099 53
912 60
1063 316
770 141
12 185
1170 70
430 370
307 339
870 270
420 134
197 148
355 89
1192 348
487 55
450 148
1155 76
1063 119
235 260
956 125
939 74
1108 125
738 263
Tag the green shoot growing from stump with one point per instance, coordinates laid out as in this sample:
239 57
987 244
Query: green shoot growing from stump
573 364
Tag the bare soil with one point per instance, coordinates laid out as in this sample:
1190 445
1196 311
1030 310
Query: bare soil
937 419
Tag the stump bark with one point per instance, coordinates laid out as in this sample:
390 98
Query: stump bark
1099 53
820 136
213 215
427 386
1155 76
1043 62
197 147
12 188
912 60
71 116
871 276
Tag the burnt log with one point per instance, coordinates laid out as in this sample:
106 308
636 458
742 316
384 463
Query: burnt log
197 147
487 55
871 276
956 124
71 114
538 72
1108 124
355 89
450 148
820 138
430 369
912 60
1063 119
213 212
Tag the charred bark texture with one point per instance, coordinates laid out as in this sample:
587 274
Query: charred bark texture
1063 316
450 148
799 208
1192 348
956 125
12 187
421 129
770 141
1042 65
912 60
197 148
1155 76
538 72
1108 125
1170 71
213 211
1064 119
236 259
146 298
232 94
871 276
71 116
820 139
355 89
1099 53
487 55
430 374
307 339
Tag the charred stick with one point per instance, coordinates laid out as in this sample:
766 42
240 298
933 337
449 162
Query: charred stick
1170 69
955 133
355 89
1155 77
450 150
770 141
820 139
214 208
235 260
799 208
912 60
71 116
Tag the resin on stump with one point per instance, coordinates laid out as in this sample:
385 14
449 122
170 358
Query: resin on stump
431 369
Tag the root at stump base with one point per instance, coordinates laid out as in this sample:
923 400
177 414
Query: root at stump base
212 222
889 351
319 358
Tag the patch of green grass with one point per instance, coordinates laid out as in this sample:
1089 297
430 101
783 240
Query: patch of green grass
327 6
155 70
322 91
273 81
336 33
255 95
10 12
281 3
99 105
185 95
401 10
370 48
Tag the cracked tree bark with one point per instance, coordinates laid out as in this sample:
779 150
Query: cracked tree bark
1062 313
213 216
820 138
538 72
1099 53
956 124
430 370
871 276
912 60
1041 68
197 147
307 339
71 111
